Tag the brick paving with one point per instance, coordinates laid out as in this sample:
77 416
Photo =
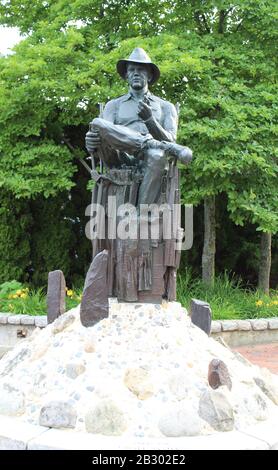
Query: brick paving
263 355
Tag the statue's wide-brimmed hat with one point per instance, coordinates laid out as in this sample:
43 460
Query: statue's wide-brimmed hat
138 56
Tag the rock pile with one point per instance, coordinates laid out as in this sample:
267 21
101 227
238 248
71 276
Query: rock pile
144 372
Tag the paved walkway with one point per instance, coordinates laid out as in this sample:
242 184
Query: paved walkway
263 355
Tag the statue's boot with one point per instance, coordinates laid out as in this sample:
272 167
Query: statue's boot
183 154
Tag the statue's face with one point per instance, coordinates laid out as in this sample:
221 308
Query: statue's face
138 75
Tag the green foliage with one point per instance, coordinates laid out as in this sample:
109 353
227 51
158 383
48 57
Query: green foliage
9 287
16 299
15 221
23 301
228 298
218 59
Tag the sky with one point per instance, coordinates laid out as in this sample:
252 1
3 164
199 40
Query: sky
8 38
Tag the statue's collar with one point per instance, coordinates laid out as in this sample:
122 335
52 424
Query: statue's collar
129 96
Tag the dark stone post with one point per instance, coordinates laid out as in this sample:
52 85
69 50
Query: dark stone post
56 292
201 315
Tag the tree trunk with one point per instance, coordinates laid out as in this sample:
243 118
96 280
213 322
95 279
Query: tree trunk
265 262
208 257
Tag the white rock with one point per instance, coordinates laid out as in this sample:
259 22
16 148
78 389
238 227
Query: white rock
58 414
179 384
106 418
257 406
138 381
73 370
62 322
215 408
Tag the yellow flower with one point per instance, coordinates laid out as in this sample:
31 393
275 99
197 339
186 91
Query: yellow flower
69 292
14 296
259 303
23 295
275 302
18 292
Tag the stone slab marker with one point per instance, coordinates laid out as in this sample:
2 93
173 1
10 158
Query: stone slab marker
56 293
94 305
201 315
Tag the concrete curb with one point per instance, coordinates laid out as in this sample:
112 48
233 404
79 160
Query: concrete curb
244 325
17 435
246 332
37 320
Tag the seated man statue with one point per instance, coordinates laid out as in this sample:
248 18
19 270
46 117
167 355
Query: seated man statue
138 129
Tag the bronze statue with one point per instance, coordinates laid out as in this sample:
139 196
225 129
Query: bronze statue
138 129
133 139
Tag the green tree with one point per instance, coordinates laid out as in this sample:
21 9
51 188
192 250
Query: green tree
217 60
15 237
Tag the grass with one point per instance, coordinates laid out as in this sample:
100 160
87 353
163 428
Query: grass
17 299
228 298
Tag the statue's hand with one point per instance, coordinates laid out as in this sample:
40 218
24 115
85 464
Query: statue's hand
144 111
92 140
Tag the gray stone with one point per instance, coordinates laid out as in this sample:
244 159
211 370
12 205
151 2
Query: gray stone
256 406
27 319
229 325
106 418
73 370
179 422
4 318
58 414
244 325
218 374
94 305
14 319
215 408
201 315
215 327
258 325
62 323
268 389
56 292
41 321
272 323
14 359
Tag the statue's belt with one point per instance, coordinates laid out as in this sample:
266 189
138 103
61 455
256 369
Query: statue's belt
118 177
